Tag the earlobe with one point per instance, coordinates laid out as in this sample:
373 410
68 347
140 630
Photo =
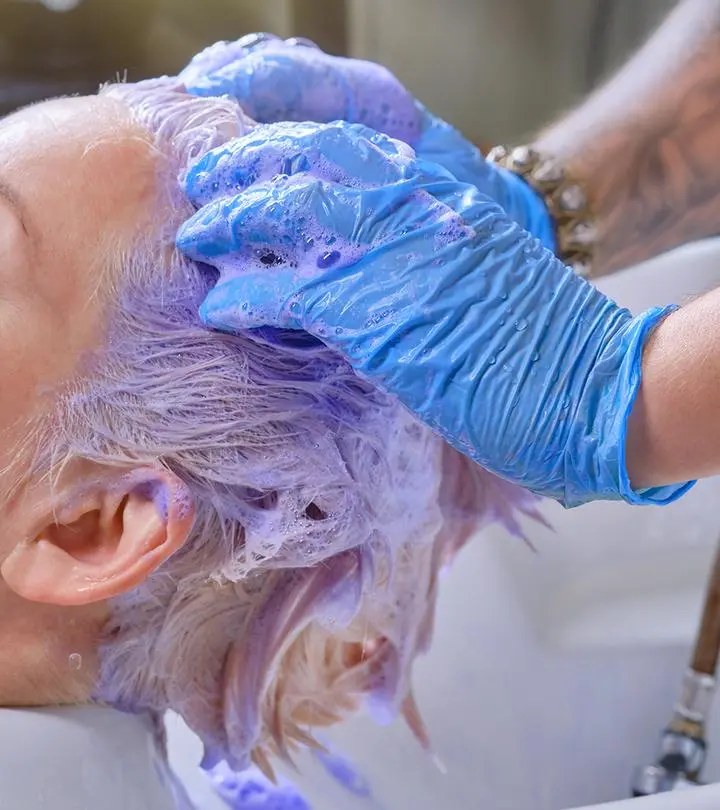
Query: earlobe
105 541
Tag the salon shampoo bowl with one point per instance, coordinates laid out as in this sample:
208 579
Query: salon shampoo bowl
552 673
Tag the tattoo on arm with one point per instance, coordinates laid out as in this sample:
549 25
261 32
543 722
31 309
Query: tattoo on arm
650 161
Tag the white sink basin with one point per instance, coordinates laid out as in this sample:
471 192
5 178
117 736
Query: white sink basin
553 673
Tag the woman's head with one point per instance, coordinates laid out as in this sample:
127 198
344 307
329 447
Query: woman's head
238 526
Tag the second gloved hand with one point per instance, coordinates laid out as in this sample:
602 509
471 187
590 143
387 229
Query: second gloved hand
429 289
278 81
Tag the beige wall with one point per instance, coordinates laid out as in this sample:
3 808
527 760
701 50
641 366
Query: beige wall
498 69
185 26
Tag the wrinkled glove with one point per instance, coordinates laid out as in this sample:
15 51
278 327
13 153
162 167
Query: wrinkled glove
429 289
292 81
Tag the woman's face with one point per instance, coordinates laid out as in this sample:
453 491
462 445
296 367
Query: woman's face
76 182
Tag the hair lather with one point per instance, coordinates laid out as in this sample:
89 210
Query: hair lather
324 512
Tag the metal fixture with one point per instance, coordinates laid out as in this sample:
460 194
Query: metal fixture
683 747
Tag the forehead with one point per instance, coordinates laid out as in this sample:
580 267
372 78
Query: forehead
87 149
73 114
86 174
71 128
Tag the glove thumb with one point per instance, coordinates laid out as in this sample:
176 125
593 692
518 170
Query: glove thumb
254 299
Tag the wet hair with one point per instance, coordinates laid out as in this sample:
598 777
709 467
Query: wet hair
323 511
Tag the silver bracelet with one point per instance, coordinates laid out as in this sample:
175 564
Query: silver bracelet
565 199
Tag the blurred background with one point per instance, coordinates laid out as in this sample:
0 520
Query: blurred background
479 63
552 673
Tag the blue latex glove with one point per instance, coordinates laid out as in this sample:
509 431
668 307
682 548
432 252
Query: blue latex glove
278 81
429 289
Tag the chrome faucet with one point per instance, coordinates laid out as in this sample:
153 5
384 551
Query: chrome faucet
683 745
683 748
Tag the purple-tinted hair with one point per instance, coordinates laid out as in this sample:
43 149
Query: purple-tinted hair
323 510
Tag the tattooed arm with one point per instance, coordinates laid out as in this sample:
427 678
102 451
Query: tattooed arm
647 144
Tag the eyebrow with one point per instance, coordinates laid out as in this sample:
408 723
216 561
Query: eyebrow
11 196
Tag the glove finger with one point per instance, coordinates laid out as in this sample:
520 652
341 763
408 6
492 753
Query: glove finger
349 154
220 54
281 83
299 223
295 81
252 300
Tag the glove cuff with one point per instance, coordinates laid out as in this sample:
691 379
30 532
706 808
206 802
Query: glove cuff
611 479
630 380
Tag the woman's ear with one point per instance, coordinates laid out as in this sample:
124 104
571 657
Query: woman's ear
106 539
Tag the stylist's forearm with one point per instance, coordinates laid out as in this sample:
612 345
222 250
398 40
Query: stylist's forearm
674 429
646 144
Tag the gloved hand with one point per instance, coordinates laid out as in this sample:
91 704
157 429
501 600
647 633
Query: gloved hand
429 289
294 81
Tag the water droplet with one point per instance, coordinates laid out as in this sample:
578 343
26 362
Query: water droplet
75 661
521 324
535 357
566 403
492 360
339 330
504 297
502 321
